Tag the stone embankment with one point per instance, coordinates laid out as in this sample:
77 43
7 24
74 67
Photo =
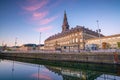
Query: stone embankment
101 57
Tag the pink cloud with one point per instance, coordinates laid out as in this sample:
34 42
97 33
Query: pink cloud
39 15
35 5
42 76
33 10
47 20
43 29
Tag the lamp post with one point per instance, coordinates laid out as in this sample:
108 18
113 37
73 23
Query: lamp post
15 42
83 38
99 30
40 40
2 43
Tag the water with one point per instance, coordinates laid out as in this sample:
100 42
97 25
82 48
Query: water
31 69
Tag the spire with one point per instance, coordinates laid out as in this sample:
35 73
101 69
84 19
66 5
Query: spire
65 25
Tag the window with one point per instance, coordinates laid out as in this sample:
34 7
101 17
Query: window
80 40
76 39
76 34
118 37
73 41
79 33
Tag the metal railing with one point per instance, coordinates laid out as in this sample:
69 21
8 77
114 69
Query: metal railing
64 51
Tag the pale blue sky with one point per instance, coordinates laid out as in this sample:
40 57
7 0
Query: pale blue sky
24 19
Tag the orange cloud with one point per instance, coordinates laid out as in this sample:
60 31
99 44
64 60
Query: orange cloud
42 29
47 20
35 5
39 15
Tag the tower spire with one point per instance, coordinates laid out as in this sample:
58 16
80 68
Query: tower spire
65 25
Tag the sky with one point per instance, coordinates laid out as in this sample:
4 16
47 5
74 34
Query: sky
23 20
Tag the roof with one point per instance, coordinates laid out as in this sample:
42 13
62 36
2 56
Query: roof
29 45
40 45
116 35
15 46
72 30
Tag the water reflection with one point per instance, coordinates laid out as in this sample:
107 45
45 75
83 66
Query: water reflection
13 70
43 74
107 77
83 75
40 70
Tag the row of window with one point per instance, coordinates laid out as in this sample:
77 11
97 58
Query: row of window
74 40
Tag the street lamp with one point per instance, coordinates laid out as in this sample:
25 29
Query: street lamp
2 43
99 30
40 40
83 37
15 42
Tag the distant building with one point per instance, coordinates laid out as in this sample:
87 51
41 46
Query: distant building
31 47
28 47
13 48
70 39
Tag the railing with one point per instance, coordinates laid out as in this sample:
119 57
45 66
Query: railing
33 51
65 51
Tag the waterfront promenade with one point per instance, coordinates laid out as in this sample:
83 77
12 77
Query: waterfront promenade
94 57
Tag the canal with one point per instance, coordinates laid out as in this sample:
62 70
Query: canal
34 69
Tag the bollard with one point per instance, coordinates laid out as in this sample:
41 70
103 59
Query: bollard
115 57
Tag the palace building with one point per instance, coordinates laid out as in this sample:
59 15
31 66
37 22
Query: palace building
70 39
80 38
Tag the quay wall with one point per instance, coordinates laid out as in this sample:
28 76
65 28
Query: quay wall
110 58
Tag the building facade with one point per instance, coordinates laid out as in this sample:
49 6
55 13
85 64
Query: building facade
70 39
107 42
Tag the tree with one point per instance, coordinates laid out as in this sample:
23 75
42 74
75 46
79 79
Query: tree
118 44
104 45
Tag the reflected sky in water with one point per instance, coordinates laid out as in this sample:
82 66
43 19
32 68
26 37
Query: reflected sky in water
14 70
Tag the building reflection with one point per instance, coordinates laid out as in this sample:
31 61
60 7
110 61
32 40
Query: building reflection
118 70
75 71
75 74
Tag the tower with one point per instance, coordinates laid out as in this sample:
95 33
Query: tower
65 25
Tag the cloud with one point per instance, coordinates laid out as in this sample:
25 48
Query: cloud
39 15
42 76
47 20
34 5
43 29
